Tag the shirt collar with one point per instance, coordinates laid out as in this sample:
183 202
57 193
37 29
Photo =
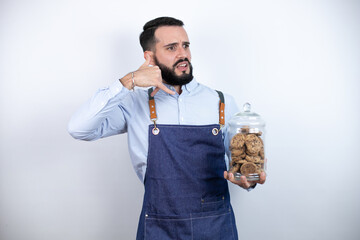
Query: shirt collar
188 87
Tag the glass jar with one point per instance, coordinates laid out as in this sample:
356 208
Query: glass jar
246 148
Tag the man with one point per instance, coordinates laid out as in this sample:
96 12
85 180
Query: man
175 131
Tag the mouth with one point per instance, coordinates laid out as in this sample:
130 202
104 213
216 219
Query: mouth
182 66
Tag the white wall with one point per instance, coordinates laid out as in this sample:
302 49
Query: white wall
297 62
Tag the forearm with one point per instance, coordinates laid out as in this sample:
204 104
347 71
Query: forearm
100 116
128 81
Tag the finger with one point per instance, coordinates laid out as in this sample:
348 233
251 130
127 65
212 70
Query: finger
225 174
262 178
147 61
244 183
165 89
231 177
155 91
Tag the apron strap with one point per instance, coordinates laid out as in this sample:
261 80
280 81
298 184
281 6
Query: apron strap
152 108
153 116
221 108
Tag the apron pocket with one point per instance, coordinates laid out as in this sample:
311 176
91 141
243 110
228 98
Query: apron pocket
167 227
209 204
213 225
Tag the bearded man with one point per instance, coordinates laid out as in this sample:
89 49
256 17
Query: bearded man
176 129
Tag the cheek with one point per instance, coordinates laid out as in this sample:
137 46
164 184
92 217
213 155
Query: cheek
189 56
166 59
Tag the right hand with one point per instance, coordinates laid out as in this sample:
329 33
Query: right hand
148 76
244 183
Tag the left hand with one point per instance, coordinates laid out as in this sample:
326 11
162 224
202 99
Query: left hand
244 183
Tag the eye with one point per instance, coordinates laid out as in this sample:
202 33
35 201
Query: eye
171 48
186 45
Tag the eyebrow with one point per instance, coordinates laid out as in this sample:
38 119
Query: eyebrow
174 44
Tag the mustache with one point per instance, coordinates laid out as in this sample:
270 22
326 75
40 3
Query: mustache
182 60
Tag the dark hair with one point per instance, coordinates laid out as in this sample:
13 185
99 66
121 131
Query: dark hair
147 37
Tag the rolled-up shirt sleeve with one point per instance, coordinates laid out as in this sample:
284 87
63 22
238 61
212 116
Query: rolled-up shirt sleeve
102 115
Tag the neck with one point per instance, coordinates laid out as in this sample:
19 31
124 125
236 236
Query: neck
178 89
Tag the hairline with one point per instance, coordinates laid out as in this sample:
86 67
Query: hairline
157 40
148 39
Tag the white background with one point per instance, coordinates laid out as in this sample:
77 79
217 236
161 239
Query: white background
297 62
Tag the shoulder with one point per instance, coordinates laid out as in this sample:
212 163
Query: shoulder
229 99
210 91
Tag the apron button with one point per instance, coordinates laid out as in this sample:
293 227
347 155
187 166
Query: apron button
146 215
155 131
215 131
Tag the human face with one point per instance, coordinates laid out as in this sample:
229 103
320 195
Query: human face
172 54
169 75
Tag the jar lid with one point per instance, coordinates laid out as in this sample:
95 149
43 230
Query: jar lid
247 118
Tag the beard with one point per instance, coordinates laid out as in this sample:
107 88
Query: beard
169 75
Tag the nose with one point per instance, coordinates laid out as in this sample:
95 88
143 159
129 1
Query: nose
183 53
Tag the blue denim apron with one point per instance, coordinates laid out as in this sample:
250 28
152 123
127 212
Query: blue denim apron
186 195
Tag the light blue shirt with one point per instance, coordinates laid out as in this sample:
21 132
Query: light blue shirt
116 110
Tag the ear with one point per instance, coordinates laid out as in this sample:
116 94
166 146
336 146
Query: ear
149 55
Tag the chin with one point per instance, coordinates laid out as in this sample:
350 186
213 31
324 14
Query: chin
183 73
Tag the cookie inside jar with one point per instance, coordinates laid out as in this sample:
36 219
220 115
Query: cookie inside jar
247 153
245 141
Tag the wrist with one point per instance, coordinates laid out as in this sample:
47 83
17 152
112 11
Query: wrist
252 186
128 81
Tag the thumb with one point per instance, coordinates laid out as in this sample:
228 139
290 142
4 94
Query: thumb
147 60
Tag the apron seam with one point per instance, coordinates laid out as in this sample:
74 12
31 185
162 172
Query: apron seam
144 228
192 231
187 219
231 222
185 126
